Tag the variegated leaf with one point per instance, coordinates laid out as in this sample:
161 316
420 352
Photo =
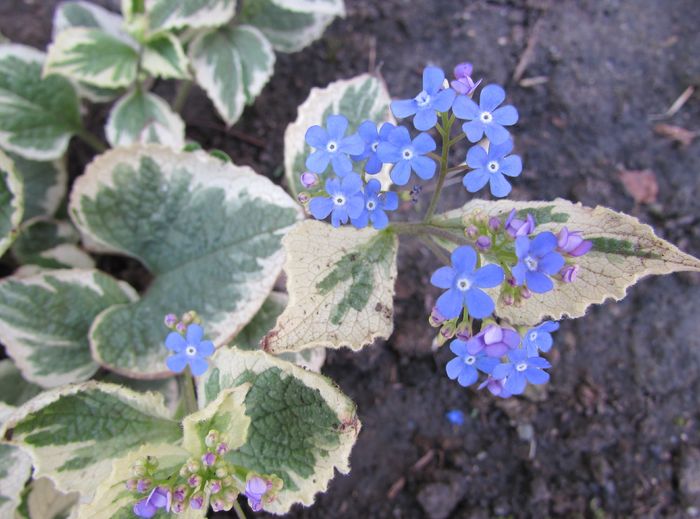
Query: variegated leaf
44 183
15 390
41 500
50 244
163 57
11 202
176 14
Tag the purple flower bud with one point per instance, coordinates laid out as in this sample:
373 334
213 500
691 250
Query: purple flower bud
215 486
436 318
516 227
209 459
471 231
483 243
212 438
179 494
170 320
143 485
511 281
447 332
525 293
464 335
572 243
464 84
159 497
189 317
494 341
308 179
494 223
181 328
196 501
222 448
221 472
194 481
495 386
303 197
255 489
508 300
218 505
177 508
569 273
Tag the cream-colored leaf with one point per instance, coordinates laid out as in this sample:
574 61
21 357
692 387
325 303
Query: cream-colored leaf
341 288
11 202
43 501
624 250
163 56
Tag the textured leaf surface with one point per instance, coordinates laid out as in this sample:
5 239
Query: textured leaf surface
41 500
44 185
92 56
163 56
45 318
38 114
624 250
302 426
288 30
142 117
14 390
74 433
232 64
341 288
15 469
11 202
50 244
168 388
360 98
172 14
210 231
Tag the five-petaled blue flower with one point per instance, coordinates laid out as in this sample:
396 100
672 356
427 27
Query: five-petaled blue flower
486 117
464 367
368 131
491 167
407 155
539 338
520 370
537 260
332 146
376 203
345 200
464 283
428 102
190 349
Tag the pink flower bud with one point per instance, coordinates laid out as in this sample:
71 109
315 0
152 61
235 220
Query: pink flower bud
170 321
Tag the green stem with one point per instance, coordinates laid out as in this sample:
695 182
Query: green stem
183 90
454 170
444 131
92 141
423 228
435 249
188 394
239 511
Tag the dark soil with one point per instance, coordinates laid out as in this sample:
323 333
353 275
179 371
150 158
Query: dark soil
615 433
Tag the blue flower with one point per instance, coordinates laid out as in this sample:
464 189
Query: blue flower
455 417
368 131
345 200
148 507
464 283
428 102
486 117
255 490
539 338
190 349
520 370
465 365
407 155
537 260
332 146
376 204
491 167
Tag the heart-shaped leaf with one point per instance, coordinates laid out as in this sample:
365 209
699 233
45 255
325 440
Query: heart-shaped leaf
38 115
45 318
208 230
301 426
624 250
11 202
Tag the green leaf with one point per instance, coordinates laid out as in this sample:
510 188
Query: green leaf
15 469
288 29
208 230
14 390
360 98
341 288
624 250
232 64
50 244
38 115
74 433
332 7
44 183
41 500
163 57
302 426
45 318
94 57
176 14
166 387
11 202
142 117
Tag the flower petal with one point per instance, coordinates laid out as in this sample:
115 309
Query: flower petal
464 108
475 180
477 157
499 186
549 326
352 144
443 277
361 221
355 205
388 153
318 161
468 376
368 131
544 342
423 143
519 272
373 165
424 167
401 172
551 263
536 376
502 370
463 259
491 96
175 342
399 136
498 151
506 115
205 348
511 166
488 276
479 304
515 383
496 133
474 130
379 219
443 100
404 108
194 333
320 207
336 125
543 243
391 201
454 368
351 184
317 137
342 165
458 347
522 246
538 282
425 119
432 79
449 304
177 363
198 366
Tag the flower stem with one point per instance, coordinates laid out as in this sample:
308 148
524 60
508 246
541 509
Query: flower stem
239 511
444 130
92 141
187 390
423 229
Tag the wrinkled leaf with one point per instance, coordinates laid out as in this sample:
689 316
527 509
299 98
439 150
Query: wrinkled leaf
74 433
302 427
142 117
175 14
50 244
208 230
11 202
341 288
38 115
624 250
360 98
44 183
45 318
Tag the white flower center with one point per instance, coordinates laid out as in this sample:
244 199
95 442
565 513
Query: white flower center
486 117
463 284
332 146
521 366
191 351
469 360
530 263
492 166
533 336
339 200
423 99
371 204
407 154
374 146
